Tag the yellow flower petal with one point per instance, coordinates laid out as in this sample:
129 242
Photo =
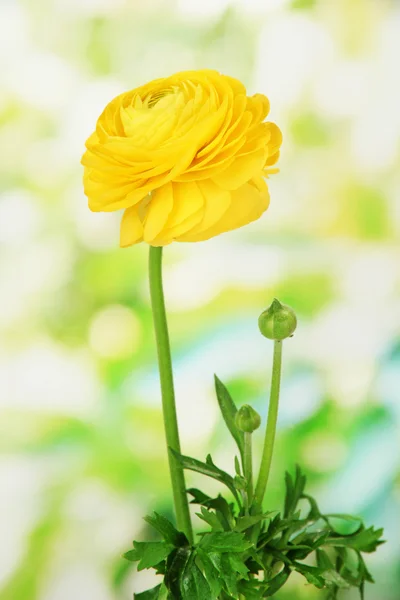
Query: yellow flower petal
241 170
131 228
216 202
158 211
246 204
188 210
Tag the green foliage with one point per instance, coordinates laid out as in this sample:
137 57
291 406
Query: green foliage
208 468
229 411
226 562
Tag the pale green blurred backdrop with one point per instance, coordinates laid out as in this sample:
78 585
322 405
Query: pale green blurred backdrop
83 455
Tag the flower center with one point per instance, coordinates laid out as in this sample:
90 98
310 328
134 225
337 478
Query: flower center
157 96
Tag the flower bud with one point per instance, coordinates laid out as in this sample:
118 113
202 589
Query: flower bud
247 419
278 321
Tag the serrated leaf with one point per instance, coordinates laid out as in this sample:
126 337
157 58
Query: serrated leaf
153 594
228 541
312 574
199 497
149 554
364 573
323 560
229 576
243 523
167 530
208 468
211 573
255 563
229 410
238 565
225 511
366 540
224 569
132 555
294 491
176 563
276 583
335 578
211 518
250 590
193 584
306 543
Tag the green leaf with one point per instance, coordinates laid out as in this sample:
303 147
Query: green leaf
240 483
150 554
153 594
211 573
229 576
211 518
198 496
344 524
366 540
163 594
238 470
228 541
334 578
364 573
208 468
238 565
314 513
167 530
193 584
176 564
245 522
312 574
250 589
132 555
225 511
294 491
323 560
276 583
229 410
223 566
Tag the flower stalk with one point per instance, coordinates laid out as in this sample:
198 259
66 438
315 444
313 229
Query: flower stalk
270 432
248 465
167 391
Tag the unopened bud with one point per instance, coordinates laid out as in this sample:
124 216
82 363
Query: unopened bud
247 419
278 321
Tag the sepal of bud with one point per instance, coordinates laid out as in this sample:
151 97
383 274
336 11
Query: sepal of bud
278 321
247 419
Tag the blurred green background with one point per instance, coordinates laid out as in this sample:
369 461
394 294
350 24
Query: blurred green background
83 455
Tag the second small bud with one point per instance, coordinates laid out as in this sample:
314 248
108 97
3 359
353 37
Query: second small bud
247 419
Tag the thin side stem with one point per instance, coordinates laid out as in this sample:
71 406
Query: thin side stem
271 427
248 466
167 391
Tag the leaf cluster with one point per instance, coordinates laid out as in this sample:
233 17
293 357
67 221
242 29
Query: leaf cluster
229 562
245 554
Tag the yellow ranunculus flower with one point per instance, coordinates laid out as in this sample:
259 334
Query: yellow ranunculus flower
185 156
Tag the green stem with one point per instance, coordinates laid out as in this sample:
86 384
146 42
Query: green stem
248 466
167 391
271 427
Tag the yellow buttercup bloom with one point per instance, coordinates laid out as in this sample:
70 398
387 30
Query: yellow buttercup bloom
185 156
